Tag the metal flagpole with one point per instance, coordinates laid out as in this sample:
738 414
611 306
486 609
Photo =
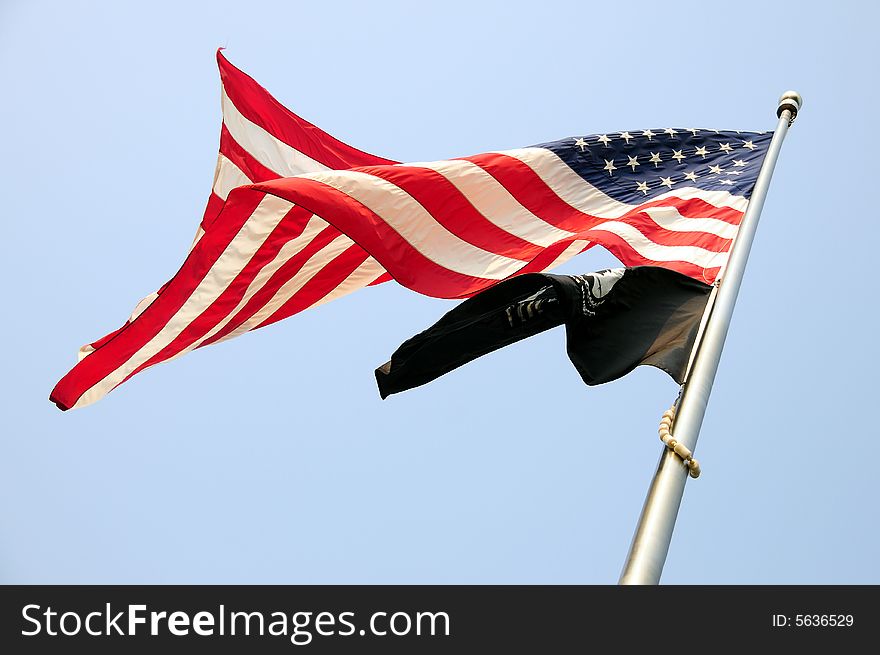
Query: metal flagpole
650 544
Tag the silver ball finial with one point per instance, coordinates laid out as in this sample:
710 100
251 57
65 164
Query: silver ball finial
792 101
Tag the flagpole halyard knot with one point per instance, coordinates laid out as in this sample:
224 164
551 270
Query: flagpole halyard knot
674 445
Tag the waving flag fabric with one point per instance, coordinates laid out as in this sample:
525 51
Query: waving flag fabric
340 219
615 320
261 140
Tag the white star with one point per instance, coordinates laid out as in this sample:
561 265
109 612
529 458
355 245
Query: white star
692 176
609 166
749 145
648 133
725 147
692 130
739 162
666 181
734 172
643 187
633 162
677 156
655 158
626 136
604 139
726 182
670 131
716 169
581 143
702 151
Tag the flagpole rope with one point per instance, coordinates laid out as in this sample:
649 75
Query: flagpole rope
675 446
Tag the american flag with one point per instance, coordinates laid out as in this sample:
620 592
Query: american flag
297 218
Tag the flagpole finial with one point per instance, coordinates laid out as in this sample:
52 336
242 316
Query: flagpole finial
792 101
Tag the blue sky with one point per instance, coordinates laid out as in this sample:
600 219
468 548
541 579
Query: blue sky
271 459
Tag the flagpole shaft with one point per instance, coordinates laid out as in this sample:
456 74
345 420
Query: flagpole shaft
650 544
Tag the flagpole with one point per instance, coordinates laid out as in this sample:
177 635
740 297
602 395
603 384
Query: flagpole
650 544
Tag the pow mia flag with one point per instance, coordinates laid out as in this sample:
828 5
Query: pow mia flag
615 320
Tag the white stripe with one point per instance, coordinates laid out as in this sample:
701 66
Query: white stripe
228 176
362 276
574 248
657 252
494 202
200 232
240 250
143 303
417 226
313 266
670 219
583 196
271 152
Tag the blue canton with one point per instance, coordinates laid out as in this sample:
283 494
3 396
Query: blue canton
635 166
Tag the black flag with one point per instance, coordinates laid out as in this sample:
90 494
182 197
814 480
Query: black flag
615 320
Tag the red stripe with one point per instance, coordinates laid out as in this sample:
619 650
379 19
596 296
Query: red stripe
258 106
240 205
699 208
449 207
320 285
100 342
385 277
212 209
